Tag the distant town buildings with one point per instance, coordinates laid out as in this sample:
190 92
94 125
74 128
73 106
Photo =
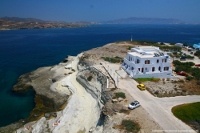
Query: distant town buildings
147 62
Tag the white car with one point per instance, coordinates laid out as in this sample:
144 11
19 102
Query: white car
134 105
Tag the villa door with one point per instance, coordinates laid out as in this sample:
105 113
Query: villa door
153 69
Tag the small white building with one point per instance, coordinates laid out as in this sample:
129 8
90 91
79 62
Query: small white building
179 44
147 62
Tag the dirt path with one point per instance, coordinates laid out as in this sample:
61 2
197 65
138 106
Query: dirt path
78 118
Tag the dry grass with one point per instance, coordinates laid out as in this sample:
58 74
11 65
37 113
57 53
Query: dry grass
128 125
167 88
191 87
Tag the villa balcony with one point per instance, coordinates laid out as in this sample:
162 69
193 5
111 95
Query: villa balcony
148 65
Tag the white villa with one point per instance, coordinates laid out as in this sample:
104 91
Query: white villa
147 62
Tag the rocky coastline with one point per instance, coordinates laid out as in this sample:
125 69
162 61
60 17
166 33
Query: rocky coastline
79 95
52 96
47 100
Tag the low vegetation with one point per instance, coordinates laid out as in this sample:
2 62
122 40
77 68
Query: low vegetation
89 78
183 66
187 67
120 94
170 48
180 54
163 47
188 113
197 53
130 126
140 80
115 59
113 89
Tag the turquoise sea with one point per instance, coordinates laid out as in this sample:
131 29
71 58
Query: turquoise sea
22 51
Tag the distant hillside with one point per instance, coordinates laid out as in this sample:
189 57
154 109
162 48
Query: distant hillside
16 19
7 23
135 20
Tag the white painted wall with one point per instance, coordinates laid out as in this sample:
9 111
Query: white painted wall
131 66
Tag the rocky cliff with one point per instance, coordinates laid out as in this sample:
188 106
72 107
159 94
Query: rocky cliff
48 99
95 82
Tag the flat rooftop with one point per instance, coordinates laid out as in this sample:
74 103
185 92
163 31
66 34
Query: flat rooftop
146 51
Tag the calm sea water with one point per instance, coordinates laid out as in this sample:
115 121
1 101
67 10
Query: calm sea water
22 51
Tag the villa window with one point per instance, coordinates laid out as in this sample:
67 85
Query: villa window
164 60
138 69
142 70
147 62
153 69
138 61
159 68
166 68
157 61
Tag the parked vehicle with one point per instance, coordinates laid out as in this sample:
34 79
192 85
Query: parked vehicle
141 87
182 58
133 105
197 65
182 73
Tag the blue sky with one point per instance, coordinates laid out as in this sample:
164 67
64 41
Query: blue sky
101 10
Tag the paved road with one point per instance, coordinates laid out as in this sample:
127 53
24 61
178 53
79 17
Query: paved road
159 108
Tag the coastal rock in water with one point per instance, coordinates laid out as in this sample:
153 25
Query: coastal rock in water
47 99
40 81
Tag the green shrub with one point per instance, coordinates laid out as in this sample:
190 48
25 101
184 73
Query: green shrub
197 53
156 92
89 78
113 59
147 79
113 89
187 112
130 126
196 73
183 66
189 78
189 57
120 94
129 47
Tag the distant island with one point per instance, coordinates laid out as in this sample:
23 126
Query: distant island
138 20
14 23
9 23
